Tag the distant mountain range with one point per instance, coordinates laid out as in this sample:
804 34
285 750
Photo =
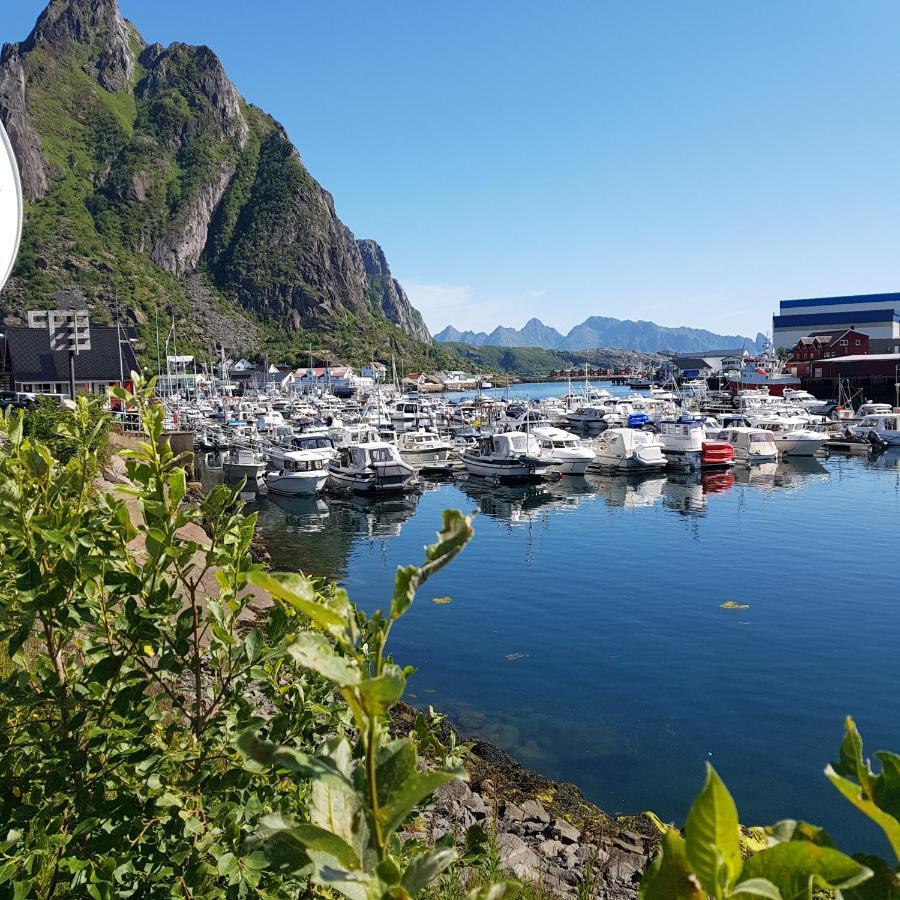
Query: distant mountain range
603 331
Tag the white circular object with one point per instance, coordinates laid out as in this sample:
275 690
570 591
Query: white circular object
11 209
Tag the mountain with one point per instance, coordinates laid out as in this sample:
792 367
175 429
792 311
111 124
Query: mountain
152 183
602 331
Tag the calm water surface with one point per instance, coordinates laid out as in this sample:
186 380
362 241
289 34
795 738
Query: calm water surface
586 635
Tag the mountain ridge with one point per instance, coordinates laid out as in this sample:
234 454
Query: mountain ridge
149 180
603 331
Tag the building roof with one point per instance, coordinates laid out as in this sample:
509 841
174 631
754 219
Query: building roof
867 357
322 372
691 362
854 299
32 360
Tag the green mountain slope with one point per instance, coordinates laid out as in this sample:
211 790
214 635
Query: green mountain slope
152 184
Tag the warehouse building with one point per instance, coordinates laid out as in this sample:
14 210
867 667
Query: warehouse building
878 315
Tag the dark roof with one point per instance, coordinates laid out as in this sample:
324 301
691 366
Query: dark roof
32 360
691 362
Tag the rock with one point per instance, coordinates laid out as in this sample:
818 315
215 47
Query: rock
476 805
551 848
535 812
389 292
518 857
567 833
625 867
512 812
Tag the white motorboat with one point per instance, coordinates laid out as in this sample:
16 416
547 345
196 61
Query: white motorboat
411 415
564 451
371 468
751 445
686 446
884 426
792 437
805 399
628 449
243 462
511 456
423 447
301 473
587 416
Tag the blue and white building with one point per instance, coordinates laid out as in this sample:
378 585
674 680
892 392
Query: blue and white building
878 315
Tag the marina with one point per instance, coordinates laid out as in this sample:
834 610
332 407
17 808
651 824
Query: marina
613 585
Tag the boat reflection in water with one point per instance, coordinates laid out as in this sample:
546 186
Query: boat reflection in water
525 503
374 517
629 491
789 474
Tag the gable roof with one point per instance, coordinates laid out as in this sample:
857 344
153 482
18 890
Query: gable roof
32 360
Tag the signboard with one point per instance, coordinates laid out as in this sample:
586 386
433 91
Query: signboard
11 212
70 329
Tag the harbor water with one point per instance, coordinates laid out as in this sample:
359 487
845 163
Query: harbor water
586 634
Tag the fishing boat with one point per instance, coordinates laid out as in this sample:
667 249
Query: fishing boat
627 449
371 468
510 456
564 452
243 462
302 473
423 447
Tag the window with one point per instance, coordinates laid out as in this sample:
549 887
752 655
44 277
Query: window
846 343
858 342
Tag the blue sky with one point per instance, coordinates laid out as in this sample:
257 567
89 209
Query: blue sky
689 163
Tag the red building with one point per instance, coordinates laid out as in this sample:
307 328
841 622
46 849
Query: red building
806 359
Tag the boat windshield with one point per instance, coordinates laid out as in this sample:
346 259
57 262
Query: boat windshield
381 454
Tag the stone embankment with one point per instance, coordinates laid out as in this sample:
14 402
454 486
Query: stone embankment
545 831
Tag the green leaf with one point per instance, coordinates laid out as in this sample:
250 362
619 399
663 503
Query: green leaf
796 867
297 591
756 887
313 651
312 767
669 876
854 793
455 534
883 885
314 838
425 868
793 830
711 837
416 788
851 763
381 693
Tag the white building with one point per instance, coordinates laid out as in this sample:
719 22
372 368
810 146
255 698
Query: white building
876 314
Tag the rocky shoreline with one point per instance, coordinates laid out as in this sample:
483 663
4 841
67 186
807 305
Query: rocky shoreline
546 831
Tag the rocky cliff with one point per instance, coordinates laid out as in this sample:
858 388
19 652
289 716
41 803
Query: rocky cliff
150 179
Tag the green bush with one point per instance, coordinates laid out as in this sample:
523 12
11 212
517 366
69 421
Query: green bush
159 737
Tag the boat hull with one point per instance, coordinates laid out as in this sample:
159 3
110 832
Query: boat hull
294 486
236 471
360 483
503 470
